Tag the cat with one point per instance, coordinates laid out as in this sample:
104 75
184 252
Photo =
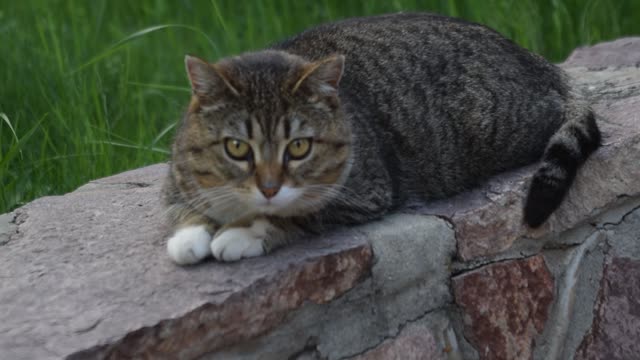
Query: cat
343 122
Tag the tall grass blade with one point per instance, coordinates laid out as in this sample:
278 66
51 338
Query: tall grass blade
17 146
115 47
4 117
161 86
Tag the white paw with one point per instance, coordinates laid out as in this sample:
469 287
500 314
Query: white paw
236 243
189 245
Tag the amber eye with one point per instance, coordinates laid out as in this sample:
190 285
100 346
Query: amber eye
236 149
299 148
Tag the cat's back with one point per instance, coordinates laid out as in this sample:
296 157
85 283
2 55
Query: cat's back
441 95
402 41
359 33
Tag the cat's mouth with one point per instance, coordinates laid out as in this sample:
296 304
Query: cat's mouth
283 200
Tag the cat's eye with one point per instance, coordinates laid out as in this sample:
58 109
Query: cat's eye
299 148
237 149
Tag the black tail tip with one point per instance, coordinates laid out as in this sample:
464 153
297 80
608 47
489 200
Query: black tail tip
543 199
534 216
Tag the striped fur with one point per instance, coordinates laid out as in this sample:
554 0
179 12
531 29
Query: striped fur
396 106
568 148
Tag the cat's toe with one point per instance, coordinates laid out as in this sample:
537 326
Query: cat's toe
237 243
189 245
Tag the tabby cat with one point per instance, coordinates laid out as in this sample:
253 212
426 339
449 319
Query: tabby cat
344 122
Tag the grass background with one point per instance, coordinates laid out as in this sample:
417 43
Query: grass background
91 88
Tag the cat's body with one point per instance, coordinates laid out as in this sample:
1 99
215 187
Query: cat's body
391 106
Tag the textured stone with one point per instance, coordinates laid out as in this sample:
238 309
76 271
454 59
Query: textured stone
616 328
504 306
414 342
410 249
7 228
577 270
620 52
409 280
87 276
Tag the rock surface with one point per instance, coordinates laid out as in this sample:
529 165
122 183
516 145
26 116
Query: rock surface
505 305
616 326
621 52
413 343
85 275
89 277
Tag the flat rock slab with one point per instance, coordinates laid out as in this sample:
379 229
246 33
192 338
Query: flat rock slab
87 276
620 52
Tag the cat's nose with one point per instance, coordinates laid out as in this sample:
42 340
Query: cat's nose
270 190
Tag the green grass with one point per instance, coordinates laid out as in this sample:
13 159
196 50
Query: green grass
91 88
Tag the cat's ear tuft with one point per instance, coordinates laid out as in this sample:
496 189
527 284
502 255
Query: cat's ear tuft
207 80
322 77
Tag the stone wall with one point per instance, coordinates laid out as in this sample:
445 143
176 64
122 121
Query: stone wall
85 275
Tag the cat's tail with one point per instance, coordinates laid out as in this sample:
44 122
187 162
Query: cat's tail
567 149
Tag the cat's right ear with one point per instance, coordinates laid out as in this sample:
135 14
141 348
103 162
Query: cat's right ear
321 77
208 81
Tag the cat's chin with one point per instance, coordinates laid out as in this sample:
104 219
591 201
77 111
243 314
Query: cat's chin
269 209
276 210
279 212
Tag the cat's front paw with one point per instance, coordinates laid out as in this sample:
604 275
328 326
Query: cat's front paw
240 242
189 245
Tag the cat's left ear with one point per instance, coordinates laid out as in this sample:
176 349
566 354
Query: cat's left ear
322 77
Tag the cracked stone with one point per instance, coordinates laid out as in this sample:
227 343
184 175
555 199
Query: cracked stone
616 328
88 286
414 342
504 306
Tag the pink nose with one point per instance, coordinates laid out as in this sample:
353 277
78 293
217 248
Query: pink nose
270 191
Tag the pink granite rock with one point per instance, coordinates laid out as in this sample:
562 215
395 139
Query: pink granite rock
615 332
504 306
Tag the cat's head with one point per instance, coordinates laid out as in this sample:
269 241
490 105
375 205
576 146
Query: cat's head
264 134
